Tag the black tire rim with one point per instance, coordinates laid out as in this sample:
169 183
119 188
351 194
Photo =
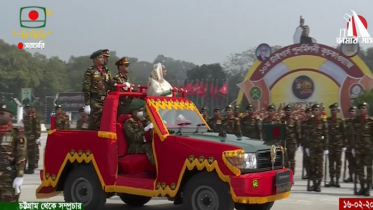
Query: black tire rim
81 191
205 198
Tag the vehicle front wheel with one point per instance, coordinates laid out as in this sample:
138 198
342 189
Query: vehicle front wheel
264 206
205 191
83 186
134 200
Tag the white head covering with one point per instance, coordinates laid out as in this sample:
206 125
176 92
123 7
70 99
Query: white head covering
157 84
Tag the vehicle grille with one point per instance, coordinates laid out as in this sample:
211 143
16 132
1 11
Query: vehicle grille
264 160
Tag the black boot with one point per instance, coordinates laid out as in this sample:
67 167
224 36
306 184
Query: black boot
331 183
30 170
312 186
349 179
337 183
317 186
362 190
367 190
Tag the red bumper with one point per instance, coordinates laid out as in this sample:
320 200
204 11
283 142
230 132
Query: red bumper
262 184
41 175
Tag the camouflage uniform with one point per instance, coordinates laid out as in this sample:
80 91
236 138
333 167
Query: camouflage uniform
231 124
203 112
292 139
82 123
215 123
318 139
270 121
363 129
251 126
62 120
135 134
349 143
304 141
336 130
13 151
96 84
124 101
32 129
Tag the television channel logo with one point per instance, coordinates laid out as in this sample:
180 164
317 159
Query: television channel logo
33 17
357 27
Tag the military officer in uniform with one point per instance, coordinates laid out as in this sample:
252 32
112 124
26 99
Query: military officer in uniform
250 124
122 78
305 133
62 120
231 124
135 132
203 112
292 137
362 148
215 122
237 112
106 55
96 84
270 119
82 123
13 153
336 145
317 147
349 143
31 124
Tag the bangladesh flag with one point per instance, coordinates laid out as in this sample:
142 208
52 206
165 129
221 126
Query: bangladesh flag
273 131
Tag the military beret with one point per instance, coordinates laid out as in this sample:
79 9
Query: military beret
122 61
106 53
315 106
217 109
335 105
95 54
81 109
7 107
271 107
362 104
250 106
228 107
137 104
308 110
352 108
288 107
203 109
237 107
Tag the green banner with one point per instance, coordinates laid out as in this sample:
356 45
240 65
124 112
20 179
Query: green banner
41 205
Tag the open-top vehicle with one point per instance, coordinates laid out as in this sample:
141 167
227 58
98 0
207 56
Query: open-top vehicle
194 167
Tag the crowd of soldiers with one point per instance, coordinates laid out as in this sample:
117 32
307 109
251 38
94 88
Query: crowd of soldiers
317 136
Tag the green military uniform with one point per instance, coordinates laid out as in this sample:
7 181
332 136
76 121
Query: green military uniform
106 55
237 112
62 120
82 123
318 138
96 84
349 143
250 125
231 124
13 153
269 120
336 130
203 112
215 122
32 129
120 78
135 134
305 134
362 147
292 138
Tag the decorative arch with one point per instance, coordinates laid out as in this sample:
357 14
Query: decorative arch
305 73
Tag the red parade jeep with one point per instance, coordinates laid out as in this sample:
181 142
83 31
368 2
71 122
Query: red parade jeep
195 168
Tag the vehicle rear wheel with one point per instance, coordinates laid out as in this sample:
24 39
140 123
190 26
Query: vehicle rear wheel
82 185
264 206
134 200
205 191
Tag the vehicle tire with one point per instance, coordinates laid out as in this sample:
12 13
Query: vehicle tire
134 200
82 185
264 206
206 191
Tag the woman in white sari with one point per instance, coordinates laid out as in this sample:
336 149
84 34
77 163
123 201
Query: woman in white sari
157 85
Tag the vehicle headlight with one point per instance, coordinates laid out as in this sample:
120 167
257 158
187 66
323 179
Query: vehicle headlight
246 161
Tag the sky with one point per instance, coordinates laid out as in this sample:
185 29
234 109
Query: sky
198 31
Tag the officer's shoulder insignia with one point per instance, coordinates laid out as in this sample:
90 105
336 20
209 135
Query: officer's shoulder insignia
131 120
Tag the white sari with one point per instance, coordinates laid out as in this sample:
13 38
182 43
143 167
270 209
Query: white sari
157 85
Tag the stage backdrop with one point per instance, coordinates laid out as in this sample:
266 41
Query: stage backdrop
307 73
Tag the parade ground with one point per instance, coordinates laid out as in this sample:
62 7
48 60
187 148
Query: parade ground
299 197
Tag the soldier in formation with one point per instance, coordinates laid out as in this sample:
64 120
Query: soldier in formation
237 113
122 78
203 112
231 124
305 134
250 124
349 143
216 121
32 129
13 153
62 120
82 123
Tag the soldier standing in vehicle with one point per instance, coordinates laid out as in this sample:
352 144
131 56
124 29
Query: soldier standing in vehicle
106 55
336 145
292 137
123 66
349 143
317 147
362 148
135 132
203 112
62 121
305 133
231 124
96 84
82 123
13 153
31 124
215 122
250 124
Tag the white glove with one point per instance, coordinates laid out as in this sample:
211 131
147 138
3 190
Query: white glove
150 126
87 109
353 152
300 148
18 181
344 149
38 141
326 152
308 152
127 86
